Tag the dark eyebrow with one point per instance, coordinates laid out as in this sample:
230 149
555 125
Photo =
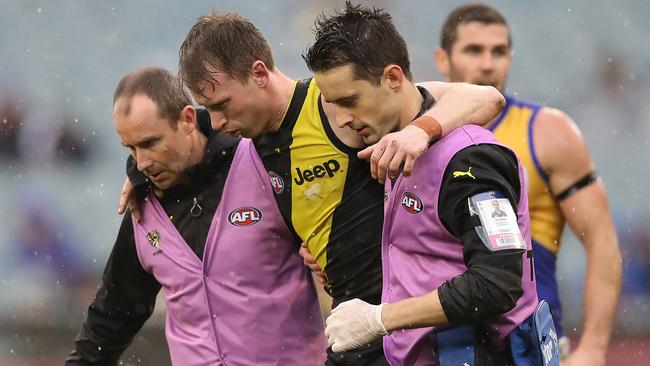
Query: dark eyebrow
143 141
216 105
346 99
475 46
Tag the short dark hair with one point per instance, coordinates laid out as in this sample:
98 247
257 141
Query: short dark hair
227 42
361 36
465 14
160 85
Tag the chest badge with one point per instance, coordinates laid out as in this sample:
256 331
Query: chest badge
244 216
276 182
412 203
154 238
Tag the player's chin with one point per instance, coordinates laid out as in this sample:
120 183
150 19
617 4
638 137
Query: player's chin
164 184
371 139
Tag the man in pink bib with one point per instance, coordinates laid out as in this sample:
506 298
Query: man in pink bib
236 289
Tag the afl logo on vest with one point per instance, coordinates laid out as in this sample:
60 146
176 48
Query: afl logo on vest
245 216
412 203
276 182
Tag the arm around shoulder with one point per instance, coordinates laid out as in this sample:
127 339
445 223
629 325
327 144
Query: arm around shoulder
459 104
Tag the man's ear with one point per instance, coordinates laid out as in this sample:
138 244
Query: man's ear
187 119
260 73
442 62
393 76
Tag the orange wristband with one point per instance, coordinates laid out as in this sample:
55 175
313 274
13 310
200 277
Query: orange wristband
430 125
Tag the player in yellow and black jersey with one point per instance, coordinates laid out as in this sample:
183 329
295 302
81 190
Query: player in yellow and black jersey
327 196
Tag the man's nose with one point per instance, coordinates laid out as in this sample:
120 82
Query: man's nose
143 160
217 120
343 117
487 62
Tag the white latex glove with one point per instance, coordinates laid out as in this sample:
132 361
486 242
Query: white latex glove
354 324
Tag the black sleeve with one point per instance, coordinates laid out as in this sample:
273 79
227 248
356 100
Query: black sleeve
121 306
492 283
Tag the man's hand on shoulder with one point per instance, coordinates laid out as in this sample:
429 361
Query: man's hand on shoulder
128 200
395 150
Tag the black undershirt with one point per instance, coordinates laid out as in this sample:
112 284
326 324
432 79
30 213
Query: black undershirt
492 283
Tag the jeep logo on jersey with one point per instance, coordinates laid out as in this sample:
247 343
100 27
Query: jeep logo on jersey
245 216
412 203
276 182
319 171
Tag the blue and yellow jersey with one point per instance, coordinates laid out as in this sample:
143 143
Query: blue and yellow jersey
514 128
327 196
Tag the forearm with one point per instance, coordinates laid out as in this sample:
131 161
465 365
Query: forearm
96 346
415 312
602 287
462 103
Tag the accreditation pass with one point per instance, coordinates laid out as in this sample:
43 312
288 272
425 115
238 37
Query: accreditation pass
499 229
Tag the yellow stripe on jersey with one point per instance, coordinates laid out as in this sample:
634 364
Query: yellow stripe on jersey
318 171
514 129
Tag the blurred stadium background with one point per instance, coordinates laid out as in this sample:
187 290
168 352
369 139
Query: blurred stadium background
61 164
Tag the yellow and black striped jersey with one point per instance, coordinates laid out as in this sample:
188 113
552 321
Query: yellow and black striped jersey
326 196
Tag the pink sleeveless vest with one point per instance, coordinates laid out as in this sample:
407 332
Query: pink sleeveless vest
419 254
250 301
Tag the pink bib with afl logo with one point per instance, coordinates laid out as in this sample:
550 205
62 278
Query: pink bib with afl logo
419 254
250 301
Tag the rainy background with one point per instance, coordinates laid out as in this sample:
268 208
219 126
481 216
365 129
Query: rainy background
61 164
